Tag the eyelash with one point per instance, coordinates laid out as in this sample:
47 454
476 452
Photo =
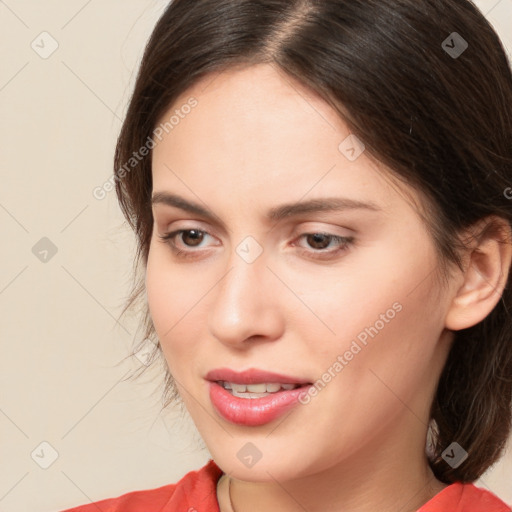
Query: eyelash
344 243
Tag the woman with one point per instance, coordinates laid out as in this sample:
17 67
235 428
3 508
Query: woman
320 192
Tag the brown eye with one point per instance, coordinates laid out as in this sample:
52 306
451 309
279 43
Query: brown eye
324 245
192 237
319 240
188 243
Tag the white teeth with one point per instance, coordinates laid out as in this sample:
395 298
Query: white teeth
256 390
250 395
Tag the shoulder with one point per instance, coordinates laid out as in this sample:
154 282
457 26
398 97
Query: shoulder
195 491
465 498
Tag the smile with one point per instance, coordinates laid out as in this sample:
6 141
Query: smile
253 397
255 390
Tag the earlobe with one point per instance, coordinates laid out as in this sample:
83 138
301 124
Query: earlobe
485 276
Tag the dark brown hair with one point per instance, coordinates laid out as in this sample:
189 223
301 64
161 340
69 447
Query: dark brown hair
441 120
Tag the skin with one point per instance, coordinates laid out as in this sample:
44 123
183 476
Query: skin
257 140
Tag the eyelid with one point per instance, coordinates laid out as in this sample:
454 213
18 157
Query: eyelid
319 226
169 235
164 216
344 243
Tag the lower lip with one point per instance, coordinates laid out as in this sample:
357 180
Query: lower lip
253 412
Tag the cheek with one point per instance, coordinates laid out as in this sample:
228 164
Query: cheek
159 292
371 291
389 353
168 291
377 315
176 303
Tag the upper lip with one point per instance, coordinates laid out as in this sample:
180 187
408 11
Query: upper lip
252 376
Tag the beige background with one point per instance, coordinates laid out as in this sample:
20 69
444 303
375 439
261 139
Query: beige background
59 378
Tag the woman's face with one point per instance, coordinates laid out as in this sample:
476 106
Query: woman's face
283 272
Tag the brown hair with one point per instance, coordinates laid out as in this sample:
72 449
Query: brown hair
439 118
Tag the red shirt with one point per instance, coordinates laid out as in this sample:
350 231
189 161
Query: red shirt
197 492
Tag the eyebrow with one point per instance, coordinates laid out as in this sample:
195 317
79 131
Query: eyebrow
328 204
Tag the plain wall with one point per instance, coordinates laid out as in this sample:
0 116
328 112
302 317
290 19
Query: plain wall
60 381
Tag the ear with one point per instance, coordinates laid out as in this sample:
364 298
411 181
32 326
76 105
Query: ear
487 266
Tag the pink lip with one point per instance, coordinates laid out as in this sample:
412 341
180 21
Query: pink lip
253 411
252 376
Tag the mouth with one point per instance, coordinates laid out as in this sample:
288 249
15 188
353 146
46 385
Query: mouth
254 379
254 397
256 390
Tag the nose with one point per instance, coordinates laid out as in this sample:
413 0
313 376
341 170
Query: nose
245 305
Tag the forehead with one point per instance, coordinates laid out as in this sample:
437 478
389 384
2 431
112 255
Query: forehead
257 133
